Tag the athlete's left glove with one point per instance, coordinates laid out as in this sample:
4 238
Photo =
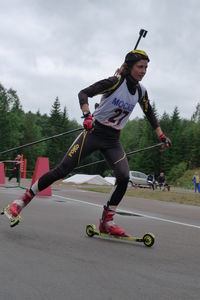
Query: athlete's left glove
88 122
165 140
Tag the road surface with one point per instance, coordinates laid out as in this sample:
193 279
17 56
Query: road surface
49 256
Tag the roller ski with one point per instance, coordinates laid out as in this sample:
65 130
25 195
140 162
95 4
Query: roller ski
108 229
148 239
14 220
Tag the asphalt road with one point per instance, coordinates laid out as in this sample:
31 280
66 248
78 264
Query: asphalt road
49 256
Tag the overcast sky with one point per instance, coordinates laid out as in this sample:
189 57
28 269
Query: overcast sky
54 48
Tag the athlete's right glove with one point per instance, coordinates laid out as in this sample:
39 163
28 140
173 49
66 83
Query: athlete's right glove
165 140
88 122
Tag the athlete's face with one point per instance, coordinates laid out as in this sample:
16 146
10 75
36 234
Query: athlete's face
139 69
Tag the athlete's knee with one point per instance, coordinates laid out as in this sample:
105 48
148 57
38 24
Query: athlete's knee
122 180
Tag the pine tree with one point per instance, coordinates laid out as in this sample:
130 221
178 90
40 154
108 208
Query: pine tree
196 114
172 128
4 109
14 100
54 127
31 133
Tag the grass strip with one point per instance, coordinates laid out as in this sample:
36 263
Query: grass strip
183 197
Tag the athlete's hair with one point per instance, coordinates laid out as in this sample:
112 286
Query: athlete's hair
124 70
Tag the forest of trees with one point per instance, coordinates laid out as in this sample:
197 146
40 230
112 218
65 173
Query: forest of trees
18 127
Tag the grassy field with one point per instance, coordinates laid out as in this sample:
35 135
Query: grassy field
182 197
186 180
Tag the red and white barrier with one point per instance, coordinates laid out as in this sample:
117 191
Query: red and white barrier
41 167
2 174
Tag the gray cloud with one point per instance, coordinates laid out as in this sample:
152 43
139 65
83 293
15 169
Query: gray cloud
55 48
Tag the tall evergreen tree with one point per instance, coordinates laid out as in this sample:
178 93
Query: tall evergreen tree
24 127
172 156
4 107
14 100
196 114
55 127
31 133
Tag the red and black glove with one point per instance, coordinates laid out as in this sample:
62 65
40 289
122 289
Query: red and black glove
88 122
165 140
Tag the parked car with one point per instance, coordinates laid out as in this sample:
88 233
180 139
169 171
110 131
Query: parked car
138 179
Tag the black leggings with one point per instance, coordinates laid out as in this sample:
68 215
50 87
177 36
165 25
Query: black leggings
106 140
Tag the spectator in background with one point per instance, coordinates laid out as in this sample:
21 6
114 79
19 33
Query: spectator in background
162 182
16 168
151 180
196 180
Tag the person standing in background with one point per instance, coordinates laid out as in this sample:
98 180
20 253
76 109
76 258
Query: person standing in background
196 180
151 180
16 168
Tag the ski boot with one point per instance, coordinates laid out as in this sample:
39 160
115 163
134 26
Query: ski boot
17 205
13 210
107 225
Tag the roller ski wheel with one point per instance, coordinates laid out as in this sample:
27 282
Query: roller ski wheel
13 220
148 239
91 230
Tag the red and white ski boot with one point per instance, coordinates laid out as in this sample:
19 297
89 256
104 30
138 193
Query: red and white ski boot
107 225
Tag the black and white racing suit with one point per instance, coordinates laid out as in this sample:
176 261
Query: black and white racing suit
119 97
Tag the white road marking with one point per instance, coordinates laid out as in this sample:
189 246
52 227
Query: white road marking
79 201
128 211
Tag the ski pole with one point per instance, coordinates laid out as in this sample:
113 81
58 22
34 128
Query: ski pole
142 33
127 154
42 140
144 149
